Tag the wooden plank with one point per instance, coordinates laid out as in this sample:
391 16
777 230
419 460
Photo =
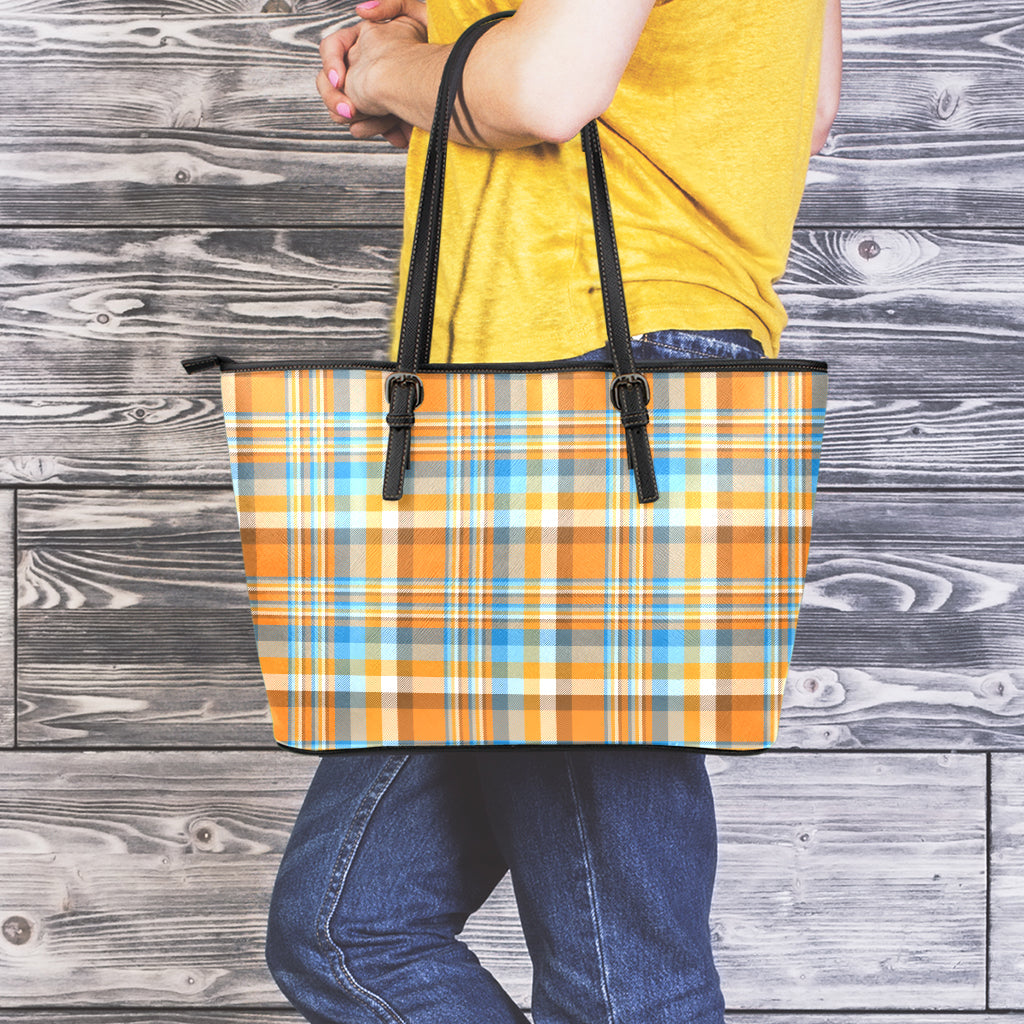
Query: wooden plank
224 124
138 300
921 329
254 73
889 852
201 1015
194 178
164 8
109 319
320 291
1006 895
911 630
112 312
144 877
868 18
7 603
134 623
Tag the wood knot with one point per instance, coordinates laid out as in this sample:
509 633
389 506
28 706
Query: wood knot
818 688
17 930
1000 686
868 249
204 836
946 104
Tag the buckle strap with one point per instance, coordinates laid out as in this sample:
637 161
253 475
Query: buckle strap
630 395
404 392
625 380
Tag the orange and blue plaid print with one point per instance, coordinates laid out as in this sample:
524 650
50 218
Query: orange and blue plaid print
518 593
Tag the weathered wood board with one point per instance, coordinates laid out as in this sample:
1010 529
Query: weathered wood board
8 604
888 848
142 879
224 125
135 613
922 331
1006 894
134 624
919 599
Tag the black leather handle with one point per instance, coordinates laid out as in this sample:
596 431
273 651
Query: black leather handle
629 393
421 284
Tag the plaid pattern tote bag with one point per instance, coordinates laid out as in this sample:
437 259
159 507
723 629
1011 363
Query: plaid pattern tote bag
523 553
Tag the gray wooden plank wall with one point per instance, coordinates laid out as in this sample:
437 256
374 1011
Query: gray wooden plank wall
169 186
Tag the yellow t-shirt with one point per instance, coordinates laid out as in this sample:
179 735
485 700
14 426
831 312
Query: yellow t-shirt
706 145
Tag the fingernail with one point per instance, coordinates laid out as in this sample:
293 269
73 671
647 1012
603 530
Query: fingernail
344 109
334 77
369 5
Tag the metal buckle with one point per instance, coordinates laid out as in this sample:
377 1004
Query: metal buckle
630 378
404 378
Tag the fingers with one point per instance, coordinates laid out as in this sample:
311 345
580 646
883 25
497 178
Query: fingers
396 132
341 109
335 45
385 10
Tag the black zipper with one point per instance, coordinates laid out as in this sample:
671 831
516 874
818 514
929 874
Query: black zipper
226 365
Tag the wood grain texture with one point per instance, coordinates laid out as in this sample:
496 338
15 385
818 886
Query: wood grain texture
921 329
911 633
799 855
7 612
921 600
142 879
194 178
1006 897
199 1015
871 18
133 612
211 117
199 178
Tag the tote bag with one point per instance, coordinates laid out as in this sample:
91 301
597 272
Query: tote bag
522 553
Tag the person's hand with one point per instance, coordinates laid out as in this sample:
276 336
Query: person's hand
350 83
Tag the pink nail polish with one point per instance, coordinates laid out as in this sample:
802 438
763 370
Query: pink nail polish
344 109
333 77
369 5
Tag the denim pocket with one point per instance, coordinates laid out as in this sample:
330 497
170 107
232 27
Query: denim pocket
680 344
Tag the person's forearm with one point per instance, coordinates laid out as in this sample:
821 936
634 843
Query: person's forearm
537 77
407 80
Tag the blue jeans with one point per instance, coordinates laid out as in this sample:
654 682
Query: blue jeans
678 344
612 853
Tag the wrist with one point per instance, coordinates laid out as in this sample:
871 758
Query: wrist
406 79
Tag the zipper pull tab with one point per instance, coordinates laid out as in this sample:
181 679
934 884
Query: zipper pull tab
198 363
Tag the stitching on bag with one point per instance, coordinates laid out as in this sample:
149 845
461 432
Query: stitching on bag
405 451
619 300
601 177
647 453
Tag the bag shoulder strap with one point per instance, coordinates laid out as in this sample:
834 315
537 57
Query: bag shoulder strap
629 392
